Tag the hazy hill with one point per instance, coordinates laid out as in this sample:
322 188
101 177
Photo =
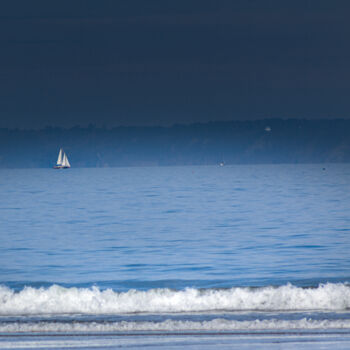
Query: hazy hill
261 141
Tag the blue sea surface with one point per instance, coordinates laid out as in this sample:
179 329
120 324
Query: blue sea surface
175 249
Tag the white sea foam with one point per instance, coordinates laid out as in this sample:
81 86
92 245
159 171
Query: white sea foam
174 326
60 300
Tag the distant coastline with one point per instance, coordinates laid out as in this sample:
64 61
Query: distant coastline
231 142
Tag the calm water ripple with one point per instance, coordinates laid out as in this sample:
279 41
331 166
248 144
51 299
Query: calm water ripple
248 225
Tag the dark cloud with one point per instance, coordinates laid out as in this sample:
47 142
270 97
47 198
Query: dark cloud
160 62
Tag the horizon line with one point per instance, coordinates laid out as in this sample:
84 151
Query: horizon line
182 124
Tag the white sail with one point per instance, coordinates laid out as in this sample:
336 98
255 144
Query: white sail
60 158
65 162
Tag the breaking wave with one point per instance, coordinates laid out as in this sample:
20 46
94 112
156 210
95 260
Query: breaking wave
59 300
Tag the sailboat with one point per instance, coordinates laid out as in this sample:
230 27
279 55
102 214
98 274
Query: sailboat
62 160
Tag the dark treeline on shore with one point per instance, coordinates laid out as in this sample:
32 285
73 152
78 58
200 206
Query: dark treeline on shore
236 142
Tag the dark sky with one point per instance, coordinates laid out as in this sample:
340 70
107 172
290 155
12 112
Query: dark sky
146 62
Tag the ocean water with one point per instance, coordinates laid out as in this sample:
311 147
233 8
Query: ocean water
246 256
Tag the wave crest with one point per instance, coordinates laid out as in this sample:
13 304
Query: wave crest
60 300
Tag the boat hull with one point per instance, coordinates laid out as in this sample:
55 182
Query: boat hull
61 167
